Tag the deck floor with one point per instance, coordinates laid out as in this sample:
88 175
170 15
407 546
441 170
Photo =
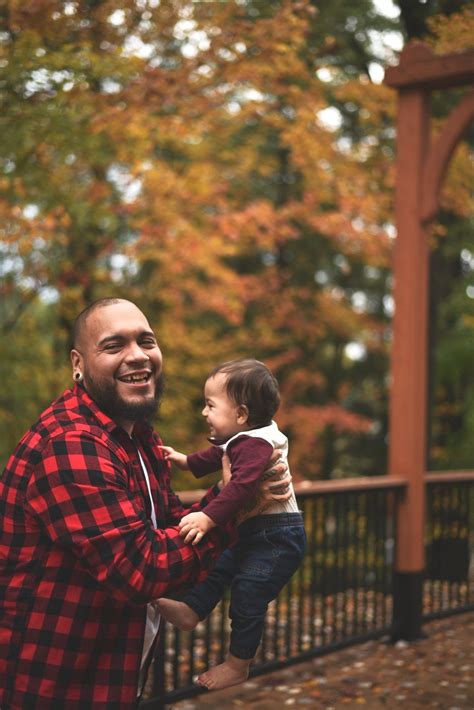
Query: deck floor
434 672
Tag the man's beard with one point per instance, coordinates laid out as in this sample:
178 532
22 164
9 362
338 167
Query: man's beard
109 401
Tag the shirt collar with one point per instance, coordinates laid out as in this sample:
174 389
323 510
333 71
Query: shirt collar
221 441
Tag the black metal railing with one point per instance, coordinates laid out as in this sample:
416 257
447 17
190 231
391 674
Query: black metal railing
449 578
341 595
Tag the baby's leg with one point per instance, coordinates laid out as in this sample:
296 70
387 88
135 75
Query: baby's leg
233 671
178 613
266 561
249 599
201 599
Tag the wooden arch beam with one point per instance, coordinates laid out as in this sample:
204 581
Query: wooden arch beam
420 67
440 154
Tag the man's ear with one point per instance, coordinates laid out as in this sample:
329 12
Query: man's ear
76 361
242 414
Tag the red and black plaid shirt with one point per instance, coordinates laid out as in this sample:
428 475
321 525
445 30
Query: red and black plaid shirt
79 559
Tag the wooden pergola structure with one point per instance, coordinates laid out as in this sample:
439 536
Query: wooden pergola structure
421 166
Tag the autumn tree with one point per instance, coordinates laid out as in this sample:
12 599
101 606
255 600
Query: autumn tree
228 166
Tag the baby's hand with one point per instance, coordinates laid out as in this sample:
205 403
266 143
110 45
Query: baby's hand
180 460
194 526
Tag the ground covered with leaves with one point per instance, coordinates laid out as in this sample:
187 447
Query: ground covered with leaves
434 672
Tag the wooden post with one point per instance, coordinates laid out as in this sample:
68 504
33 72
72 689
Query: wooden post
419 172
408 420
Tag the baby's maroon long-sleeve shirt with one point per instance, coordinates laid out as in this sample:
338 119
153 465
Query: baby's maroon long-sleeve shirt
249 458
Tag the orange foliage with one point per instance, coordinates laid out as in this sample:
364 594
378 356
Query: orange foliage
200 162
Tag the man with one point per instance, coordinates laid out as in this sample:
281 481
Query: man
88 528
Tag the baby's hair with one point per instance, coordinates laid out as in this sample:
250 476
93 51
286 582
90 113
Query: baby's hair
249 382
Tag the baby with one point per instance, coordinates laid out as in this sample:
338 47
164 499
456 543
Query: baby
241 397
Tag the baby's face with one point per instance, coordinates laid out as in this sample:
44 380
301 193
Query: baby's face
224 417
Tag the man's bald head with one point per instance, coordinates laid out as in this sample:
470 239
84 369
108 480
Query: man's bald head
81 320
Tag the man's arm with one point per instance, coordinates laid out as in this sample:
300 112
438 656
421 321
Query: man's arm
79 495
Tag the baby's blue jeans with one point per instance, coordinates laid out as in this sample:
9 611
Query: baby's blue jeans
269 551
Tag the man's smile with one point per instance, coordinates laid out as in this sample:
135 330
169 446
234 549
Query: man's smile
136 378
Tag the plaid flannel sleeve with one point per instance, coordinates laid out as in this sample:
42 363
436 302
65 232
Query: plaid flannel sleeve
78 493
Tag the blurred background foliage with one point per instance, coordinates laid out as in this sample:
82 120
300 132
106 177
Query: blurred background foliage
228 166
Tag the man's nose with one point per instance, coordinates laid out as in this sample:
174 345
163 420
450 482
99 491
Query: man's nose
204 411
135 353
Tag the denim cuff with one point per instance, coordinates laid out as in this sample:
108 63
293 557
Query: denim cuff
245 654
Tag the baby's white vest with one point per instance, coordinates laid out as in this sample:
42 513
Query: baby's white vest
278 440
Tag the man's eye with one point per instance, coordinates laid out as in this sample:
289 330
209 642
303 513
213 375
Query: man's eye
148 343
112 346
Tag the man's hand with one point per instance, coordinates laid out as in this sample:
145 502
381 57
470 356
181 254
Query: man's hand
275 485
194 526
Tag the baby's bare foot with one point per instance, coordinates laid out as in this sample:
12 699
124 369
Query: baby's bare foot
231 672
178 613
